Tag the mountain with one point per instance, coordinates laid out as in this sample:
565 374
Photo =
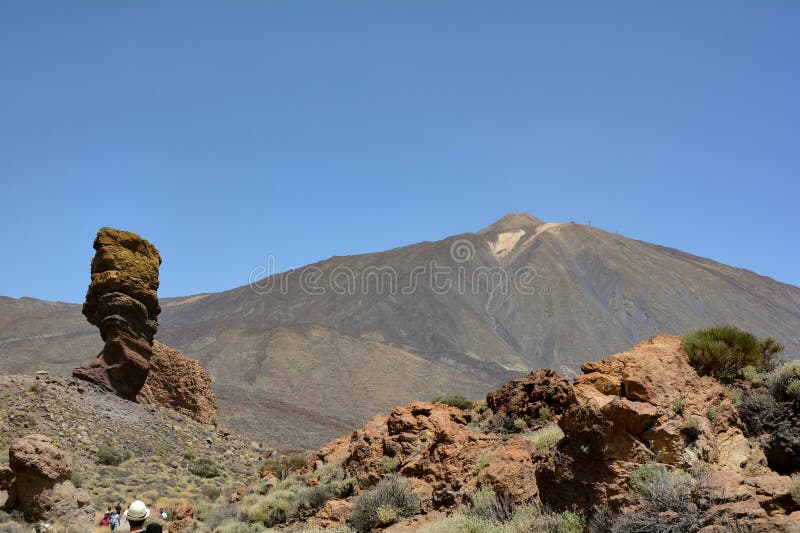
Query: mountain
309 354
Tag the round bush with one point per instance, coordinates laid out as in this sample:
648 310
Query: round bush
204 468
723 352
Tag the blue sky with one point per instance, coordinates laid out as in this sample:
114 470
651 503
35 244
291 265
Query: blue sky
227 131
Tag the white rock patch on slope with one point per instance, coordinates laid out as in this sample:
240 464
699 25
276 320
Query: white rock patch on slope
505 242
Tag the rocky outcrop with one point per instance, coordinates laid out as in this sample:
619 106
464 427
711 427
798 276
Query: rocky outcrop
182 518
122 302
41 487
762 502
643 405
434 447
535 398
179 383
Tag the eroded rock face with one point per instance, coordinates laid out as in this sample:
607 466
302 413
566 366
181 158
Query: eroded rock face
762 502
179 383
122 301
643 405
530 397
41 487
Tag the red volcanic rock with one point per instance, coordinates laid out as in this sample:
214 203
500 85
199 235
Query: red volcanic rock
41 487
643 405
433 446
122 302
179 383
182 516
763 502
526 397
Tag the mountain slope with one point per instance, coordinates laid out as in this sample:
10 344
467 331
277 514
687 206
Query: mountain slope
330 344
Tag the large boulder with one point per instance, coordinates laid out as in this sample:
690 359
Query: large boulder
122 301
179 383
41 487
643 405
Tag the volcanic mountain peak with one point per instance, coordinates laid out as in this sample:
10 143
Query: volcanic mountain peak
511 231
512 222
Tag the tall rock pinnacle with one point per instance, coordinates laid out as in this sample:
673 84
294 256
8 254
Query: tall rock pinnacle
122 301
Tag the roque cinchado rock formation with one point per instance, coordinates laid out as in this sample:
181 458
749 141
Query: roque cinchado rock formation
122 301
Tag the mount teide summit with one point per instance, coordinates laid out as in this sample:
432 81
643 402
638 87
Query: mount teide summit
310 354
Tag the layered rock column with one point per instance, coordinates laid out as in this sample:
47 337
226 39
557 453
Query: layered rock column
122 301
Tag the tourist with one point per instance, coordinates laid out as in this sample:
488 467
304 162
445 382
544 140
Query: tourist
113 521
136 514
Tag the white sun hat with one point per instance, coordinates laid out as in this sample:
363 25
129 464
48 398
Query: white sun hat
137 511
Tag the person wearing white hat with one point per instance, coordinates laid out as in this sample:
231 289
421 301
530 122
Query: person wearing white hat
136 514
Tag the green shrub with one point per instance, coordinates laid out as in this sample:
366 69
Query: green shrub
274 508
454 400
712 414
109 455
77 479
315 497
546 438
481 463
325 473
645 479
212 492
390 464
527 518
678 405
734 393
345 487
667 502
520 424
233 526
386 516
781 378
796 488
284 465
204 467
220 514
724 351
751 373
544 413
485 504
391 492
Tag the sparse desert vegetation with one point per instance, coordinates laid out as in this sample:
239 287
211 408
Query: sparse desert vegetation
121 451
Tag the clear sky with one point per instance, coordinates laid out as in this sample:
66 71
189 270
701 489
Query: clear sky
227 131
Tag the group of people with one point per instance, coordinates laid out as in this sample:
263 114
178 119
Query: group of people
136 515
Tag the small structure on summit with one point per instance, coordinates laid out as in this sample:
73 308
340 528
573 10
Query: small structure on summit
122 301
